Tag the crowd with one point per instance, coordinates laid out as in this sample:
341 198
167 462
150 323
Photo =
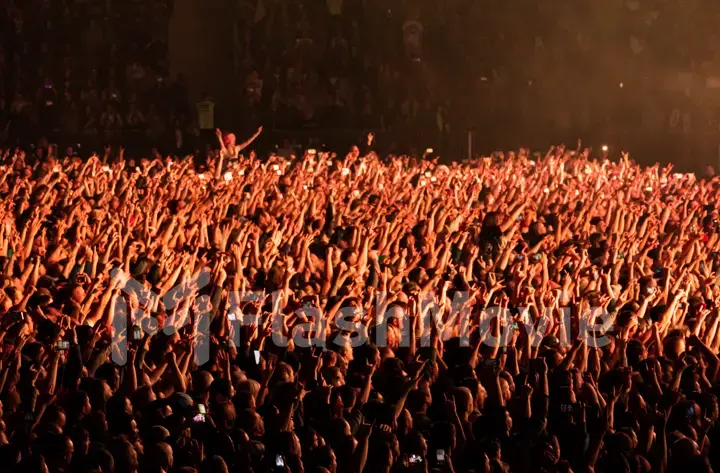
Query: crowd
440 68
86 70
81 69
341 63
507 58
410 256
98 69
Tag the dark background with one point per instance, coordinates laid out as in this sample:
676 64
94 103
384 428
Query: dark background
631 74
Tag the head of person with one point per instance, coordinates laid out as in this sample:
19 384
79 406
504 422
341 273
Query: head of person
159 457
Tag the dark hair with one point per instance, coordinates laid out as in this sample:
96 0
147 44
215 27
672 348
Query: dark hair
100 458
322 457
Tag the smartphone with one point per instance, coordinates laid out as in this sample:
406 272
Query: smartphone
537 257
279 461
440 455
415 459
520 218
199 418
137 333
201 409
256 354
312 152
62 345
232 317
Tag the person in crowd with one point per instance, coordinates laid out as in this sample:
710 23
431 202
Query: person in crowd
357 313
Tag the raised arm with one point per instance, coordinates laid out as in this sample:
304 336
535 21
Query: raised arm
249 141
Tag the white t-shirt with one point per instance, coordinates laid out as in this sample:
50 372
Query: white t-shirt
206 114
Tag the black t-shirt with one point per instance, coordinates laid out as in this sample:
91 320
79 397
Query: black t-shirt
490 239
